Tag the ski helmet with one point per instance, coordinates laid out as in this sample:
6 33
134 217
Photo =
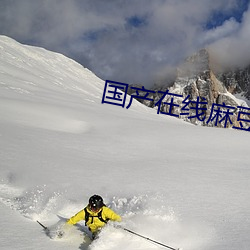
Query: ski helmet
95 202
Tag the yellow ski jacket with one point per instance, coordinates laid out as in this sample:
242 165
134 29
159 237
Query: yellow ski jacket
94 223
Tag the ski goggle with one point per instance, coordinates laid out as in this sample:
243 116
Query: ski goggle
94 208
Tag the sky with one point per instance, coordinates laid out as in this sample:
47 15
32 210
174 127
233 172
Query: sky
132 41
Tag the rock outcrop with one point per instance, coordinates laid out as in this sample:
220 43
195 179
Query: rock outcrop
202 97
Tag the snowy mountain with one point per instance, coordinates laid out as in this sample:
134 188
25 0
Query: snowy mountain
203 95
183 185
237 81
197 79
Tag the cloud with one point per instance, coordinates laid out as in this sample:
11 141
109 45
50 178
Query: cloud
232 50
228 28
129 41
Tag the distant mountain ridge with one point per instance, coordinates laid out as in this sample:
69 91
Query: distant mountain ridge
237 81
198 80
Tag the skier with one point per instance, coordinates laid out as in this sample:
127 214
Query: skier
95 214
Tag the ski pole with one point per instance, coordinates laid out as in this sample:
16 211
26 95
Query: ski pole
45 228
146 238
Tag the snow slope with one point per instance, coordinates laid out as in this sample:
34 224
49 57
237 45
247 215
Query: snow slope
183 185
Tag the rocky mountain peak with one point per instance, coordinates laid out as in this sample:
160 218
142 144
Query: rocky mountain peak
196 78
200 90
197 64
237 81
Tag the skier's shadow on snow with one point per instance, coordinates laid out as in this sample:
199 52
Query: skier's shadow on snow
86 237
84 246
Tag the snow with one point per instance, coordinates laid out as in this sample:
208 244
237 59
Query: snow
182 185
243 102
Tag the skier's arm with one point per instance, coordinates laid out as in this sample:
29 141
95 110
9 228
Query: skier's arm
110 214
77 217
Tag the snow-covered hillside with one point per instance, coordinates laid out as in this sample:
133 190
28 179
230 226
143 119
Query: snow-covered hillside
182 185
